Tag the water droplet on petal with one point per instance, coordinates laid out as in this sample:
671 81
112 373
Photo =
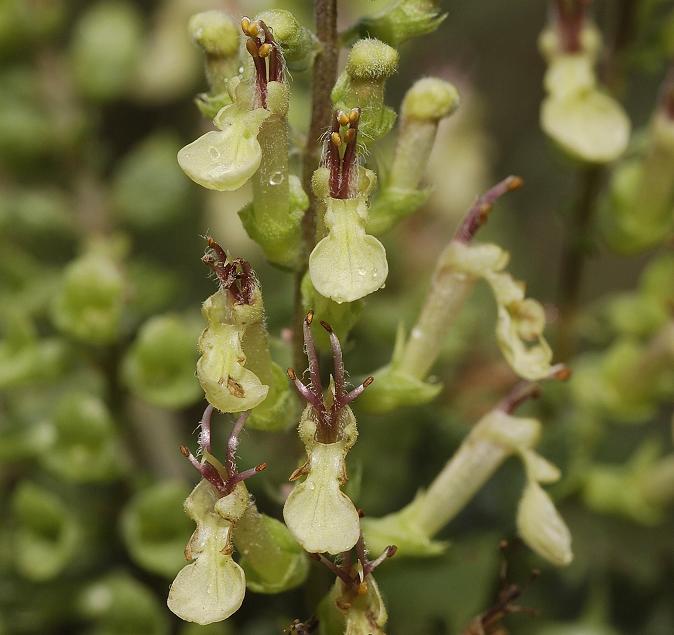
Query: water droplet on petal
276 178
241 70
361 272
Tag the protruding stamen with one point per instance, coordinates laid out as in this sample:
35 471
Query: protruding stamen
205 429
246 474
233 444
357 391
370 566
343 118
338 362
354 115
265 49
336 139
254 29
311 398
312 355
338 571
207 471
245 25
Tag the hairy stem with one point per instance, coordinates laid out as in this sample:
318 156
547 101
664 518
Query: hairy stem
324 76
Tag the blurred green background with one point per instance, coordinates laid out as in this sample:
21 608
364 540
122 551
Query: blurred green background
95 100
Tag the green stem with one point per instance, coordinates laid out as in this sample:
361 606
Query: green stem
574 257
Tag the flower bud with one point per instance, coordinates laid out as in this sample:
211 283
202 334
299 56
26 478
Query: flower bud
90 302
541 527
224 160
361 85
425 103
347 264
402 20
371 59
106 48
212 586
299 44
217 35
154 528
215 32
430 98
159 366
46 533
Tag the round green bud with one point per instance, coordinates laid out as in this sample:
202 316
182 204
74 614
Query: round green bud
430 98
215 32
155 528
297 42
46 533
148 188
372 60
90 303
85 447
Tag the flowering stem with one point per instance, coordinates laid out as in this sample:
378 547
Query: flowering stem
448 291
324 76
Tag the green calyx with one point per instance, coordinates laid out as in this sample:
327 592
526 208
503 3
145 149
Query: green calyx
46 533
154 528
271 558
159 367
85 447
400 21
90 302
298 43
395 388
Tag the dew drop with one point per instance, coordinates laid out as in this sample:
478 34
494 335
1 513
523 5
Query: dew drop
416 333
240 70
361 272
276 178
